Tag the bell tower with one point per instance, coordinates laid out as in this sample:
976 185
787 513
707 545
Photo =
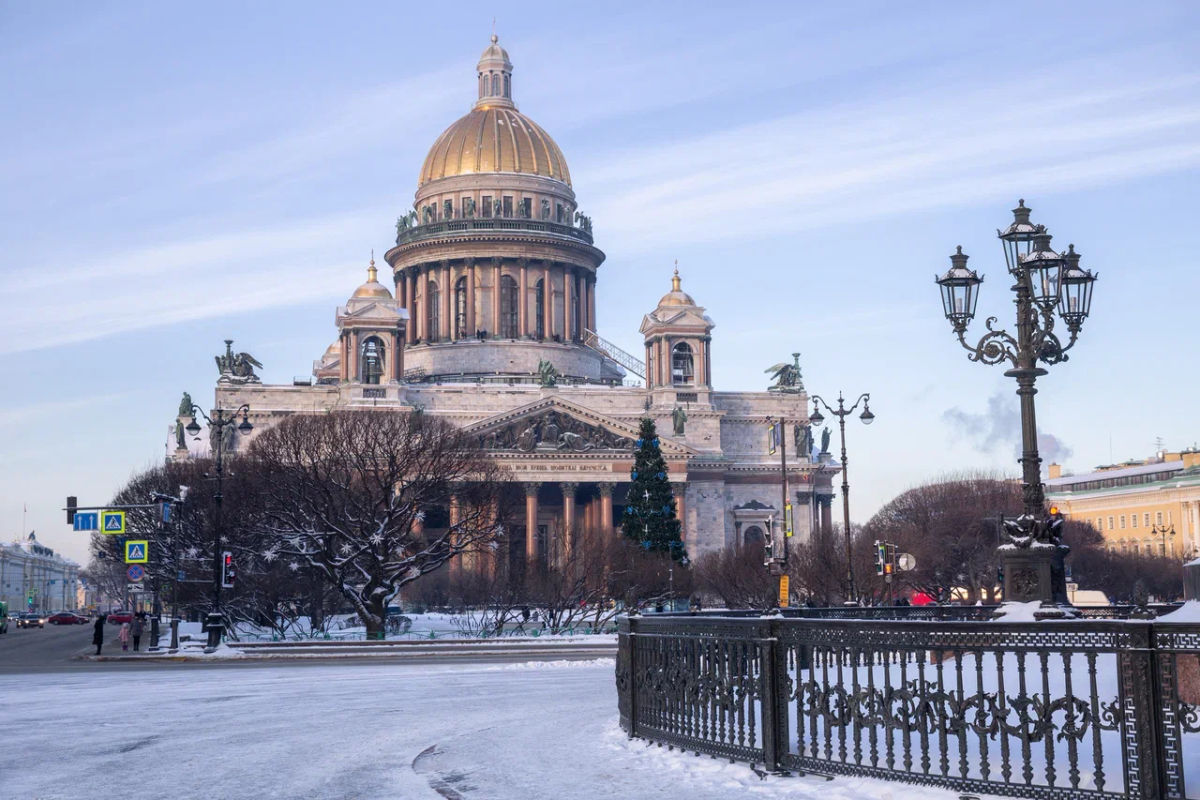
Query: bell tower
678 336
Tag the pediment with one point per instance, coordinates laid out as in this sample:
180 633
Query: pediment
553 425
693 317
374 310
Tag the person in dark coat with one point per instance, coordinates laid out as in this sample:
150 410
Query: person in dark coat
136 629
98 636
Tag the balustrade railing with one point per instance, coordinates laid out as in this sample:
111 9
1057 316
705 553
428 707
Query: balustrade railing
425 231
1063 709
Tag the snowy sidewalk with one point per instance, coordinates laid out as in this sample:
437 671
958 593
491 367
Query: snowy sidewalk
500 732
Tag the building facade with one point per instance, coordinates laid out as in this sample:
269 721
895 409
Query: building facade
34 578
1149 507
491 321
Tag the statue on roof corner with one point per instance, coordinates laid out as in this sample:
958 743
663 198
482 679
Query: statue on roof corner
236 367
787 376
547 374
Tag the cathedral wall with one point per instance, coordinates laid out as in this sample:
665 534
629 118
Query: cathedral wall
705 509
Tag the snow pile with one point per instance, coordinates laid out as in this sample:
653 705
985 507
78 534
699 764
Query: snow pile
1018 612
1189 612
560 664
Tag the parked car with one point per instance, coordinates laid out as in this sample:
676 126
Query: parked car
117 617
30 621
66 618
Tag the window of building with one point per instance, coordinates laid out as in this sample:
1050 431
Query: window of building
1133 520
432 320
509 307
447 209
487 205
1111 527
558 212
681 365
495 85
1136 552
507 86
1146 519
539 308
507 205
1122 521
371 370
460 308
1158 517
754 535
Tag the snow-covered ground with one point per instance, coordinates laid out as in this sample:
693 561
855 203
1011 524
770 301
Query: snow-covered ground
354 731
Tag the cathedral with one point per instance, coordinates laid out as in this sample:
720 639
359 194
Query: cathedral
490 320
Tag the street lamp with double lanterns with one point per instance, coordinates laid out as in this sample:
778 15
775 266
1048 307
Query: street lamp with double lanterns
219 423
841 412
1049 287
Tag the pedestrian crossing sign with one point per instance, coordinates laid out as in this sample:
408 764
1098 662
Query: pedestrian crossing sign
137 551
112 522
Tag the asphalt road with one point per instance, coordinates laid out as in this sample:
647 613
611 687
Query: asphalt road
34 649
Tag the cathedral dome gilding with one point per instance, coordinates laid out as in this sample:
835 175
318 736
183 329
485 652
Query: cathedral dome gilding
494 136
372 288
676 297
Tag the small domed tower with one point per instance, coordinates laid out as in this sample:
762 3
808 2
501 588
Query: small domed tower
370 344
678 336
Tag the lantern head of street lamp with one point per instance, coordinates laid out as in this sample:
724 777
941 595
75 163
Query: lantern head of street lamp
245 426
867 417
1044 269
1018 237
193 427
1076 295
960 291
816 418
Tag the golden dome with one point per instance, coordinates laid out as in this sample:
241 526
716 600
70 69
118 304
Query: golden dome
676 297
372 288
494 137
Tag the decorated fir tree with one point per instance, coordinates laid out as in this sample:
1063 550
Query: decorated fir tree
650 510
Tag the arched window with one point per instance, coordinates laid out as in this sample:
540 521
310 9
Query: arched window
495 85
539 309
482 85
371 361
509 308
460 308
432 321
682 373
753 535
507 87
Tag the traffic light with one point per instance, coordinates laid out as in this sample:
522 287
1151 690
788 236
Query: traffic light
72 504
228 571
880 557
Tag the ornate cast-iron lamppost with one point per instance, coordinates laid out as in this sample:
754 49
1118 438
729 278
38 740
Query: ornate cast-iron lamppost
841 412
220 424
1164 531
1048 287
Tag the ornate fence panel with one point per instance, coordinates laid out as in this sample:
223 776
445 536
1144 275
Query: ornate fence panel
1079 709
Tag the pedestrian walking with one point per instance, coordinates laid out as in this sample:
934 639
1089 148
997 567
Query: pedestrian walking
98 636
136 630
123 635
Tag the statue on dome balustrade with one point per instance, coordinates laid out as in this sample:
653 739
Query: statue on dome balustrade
469 208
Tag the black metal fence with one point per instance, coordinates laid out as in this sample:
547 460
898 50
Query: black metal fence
1074 709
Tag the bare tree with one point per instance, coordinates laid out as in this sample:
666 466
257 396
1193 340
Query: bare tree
737 576
346 493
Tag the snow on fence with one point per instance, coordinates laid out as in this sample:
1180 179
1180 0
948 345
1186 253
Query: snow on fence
1071 709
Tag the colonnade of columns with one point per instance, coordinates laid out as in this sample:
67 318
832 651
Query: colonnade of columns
430 293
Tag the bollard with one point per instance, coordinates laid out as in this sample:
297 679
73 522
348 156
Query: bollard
174 634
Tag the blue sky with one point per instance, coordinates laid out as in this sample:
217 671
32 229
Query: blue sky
173 175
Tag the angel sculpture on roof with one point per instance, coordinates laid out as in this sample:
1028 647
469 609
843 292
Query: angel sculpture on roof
787 376
237 367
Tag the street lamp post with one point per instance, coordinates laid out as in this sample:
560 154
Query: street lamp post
841 412
219 423
1048 286
1164 531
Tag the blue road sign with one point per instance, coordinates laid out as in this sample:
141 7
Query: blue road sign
87 521
166 512
112 521
135 572
137 551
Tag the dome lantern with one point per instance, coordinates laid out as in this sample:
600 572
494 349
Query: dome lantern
495 77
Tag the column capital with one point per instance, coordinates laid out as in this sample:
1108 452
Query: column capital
568 488
606 489
531 488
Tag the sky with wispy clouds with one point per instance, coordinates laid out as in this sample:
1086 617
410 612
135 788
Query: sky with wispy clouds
177 174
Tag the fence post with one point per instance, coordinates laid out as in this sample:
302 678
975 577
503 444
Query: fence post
774 724
626 682
1141 731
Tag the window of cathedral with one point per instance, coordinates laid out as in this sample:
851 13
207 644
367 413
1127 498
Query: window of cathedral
539 308
507 86
507 205
509 307
495 85
753 535
448 209
460 308
558 212
432 320
487 205
372 360
682 371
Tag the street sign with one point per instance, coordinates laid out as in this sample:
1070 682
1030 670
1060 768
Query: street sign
111 521
783 591
135 588
906 562
787 519
137 551
135 572
87 520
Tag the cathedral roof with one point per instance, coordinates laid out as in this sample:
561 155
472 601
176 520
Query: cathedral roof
372 288
494 137
676 297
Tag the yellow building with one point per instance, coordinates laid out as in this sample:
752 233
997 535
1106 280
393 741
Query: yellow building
1141 507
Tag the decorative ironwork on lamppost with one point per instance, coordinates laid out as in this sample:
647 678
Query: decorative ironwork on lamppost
1048 287
221 424
841 412
1164 531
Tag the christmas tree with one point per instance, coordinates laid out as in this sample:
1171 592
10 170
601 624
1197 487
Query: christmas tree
650 510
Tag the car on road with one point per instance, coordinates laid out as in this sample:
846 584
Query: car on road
30 621
66 618
117 617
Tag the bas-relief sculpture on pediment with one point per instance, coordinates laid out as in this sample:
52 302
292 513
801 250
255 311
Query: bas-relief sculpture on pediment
551 431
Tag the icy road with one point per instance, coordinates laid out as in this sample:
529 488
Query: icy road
369 732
